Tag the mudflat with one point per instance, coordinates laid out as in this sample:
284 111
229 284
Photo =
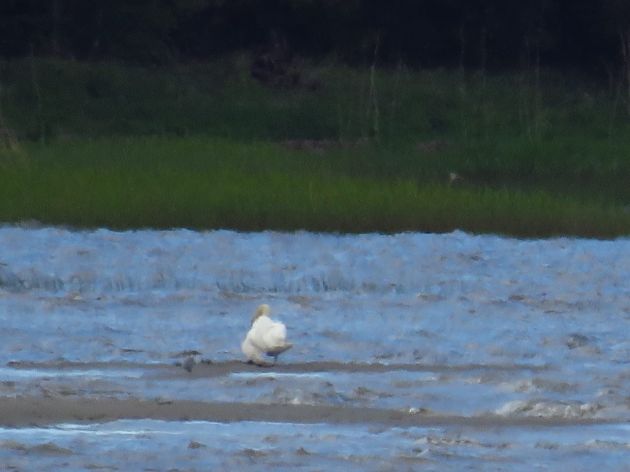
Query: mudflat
38 411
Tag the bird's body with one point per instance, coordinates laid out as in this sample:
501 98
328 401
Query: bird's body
266 337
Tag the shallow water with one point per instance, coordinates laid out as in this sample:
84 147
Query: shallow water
141 444
452 324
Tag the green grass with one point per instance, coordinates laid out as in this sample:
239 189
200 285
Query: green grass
210 183
49 99
204 146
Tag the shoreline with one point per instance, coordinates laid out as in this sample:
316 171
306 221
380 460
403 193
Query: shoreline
39 411
207 368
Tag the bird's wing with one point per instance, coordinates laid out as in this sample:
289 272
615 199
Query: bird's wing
275 337
269 335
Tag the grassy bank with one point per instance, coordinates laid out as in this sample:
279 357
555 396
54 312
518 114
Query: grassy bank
205 146
209 183
52 99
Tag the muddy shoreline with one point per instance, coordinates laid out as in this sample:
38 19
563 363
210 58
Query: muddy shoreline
39 411
207 368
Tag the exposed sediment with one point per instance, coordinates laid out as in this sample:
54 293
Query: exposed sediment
40 411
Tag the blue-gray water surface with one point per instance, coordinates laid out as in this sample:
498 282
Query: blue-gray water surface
478 327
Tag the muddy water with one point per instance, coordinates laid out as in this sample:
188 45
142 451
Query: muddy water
438 352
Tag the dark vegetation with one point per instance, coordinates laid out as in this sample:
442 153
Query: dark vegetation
587 35
488 116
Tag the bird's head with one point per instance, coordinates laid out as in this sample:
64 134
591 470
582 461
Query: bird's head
262 310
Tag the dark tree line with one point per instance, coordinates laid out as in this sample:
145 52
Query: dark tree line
585 34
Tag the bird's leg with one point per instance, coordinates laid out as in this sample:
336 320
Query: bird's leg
259 362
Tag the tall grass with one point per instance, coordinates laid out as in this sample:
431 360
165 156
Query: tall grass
204 145
68 99
211 183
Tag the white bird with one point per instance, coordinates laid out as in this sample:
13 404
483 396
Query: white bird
265 337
